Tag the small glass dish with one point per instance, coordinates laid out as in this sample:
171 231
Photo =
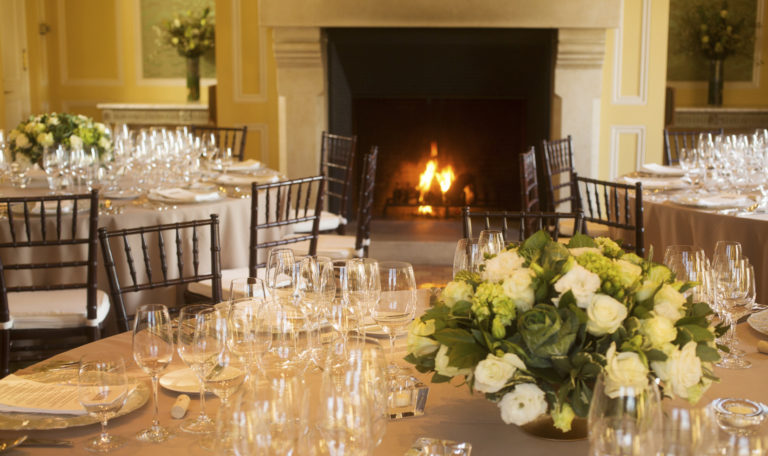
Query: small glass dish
425 446
738 416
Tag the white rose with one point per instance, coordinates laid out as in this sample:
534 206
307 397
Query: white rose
492 373
501 266
53 120
30 127
45 139
13 134
576 251
604 315
628 272
582 283
668 303
681 371
100 127
442 367
523 404
457 291
75 142
418 343
658 330
518 288
22 142
104 143
623 370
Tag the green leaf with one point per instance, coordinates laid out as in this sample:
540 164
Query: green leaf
452 336
581 240
465 356
655 355
562 364
553 255
693 320
437 378
701 309
439 312
580 399
461 308
707 353
699 334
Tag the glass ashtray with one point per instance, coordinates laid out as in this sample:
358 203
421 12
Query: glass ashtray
426 446
738 415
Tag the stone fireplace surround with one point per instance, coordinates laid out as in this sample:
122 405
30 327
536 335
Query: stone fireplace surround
299 48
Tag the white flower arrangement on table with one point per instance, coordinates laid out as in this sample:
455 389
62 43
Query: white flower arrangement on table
28 140
541 320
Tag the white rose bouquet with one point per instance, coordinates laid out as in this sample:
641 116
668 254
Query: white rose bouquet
536 326
31 136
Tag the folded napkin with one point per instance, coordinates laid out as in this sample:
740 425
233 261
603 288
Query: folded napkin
720 201
661 170
229 179
245 165
656 182
180 194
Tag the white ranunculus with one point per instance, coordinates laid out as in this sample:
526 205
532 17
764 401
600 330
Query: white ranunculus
624 370
502 265
456 291
492 373
582 283
628 272
658 330
518 288
22 142
442 367
576 251
604 315
75 142
681 371
523 404
418 342
45 139
668 303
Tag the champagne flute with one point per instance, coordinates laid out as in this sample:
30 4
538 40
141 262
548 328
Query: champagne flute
198 347
102 388
397 305
153 351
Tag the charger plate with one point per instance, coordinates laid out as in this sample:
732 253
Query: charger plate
759 322
43 421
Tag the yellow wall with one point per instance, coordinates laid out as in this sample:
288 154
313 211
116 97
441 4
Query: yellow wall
741 94
632 102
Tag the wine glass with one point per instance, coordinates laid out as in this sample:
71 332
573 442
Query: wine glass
249 337
689 432
345 310
730 296
467 256
315 283
685 252
345 417
102 388
153 351
726 251
491 242
397 305
198 347
290 344
748 283
246 287
280 274
54 162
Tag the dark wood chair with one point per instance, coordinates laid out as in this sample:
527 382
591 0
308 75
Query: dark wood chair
49 300
529 183
233 137
365 203
151 242
613 205
558 173
674 140
337 159
516 225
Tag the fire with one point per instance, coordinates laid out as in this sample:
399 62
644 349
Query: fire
444 178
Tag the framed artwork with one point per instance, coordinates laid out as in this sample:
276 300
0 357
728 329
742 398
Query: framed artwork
160 61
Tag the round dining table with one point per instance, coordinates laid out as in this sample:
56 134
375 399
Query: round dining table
451 412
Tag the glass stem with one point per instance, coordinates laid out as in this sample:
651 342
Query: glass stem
155 420
202 399
392 348
104 437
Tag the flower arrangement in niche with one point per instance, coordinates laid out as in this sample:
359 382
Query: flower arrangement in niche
28 140
536 326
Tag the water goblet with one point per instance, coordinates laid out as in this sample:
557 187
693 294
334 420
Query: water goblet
491 242
467 256
397 305
102 389
730 296
153 351
249 336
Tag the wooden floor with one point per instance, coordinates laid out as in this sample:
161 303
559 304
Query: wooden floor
430 276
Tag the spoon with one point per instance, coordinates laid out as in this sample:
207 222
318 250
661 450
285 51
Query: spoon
6 445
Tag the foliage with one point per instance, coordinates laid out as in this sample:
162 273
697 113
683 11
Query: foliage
191 34
711 31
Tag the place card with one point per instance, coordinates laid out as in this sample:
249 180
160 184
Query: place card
18 394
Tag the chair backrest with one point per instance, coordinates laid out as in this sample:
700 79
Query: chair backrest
33 225
674 140
233 137
156 252
517 224
615 205
529 183
337 158
279 205
558 173
365 202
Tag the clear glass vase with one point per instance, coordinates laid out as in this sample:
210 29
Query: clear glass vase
715 93
193 78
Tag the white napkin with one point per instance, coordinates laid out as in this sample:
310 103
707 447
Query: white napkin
661 170
656 182
245 165
720 201
180 194
229 179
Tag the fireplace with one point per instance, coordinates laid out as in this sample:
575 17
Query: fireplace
436 102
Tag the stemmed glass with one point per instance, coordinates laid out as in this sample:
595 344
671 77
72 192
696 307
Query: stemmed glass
54 163
280 273
316 285
467 256
397 305
730 295
749 284
491 242
246 287
153 351
198 347
345 311
345 417
249 337
102 389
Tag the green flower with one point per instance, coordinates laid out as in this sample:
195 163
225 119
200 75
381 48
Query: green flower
563 416
490 296
609 247
544 331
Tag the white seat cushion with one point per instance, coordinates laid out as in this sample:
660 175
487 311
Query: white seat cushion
331 245
204 288
54 309
328 221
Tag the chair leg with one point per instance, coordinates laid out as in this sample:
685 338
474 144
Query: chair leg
94 334
5 352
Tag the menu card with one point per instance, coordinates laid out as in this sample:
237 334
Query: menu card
18 394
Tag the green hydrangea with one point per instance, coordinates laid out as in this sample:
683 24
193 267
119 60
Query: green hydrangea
490 297
609 247
610 278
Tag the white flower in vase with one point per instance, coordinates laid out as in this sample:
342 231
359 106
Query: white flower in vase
624 371
669 303
582 283
492 373
523 404
681 371
605 315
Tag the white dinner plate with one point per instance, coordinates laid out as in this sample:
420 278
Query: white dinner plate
121 195
759 321
153 196
717 201
185 381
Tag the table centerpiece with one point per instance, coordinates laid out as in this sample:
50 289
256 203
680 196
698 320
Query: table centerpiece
534 328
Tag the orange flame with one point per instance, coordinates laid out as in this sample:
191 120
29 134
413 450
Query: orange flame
444 178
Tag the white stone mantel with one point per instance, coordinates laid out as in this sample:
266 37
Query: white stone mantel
301 70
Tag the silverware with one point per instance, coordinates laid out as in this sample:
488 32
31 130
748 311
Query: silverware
7 444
